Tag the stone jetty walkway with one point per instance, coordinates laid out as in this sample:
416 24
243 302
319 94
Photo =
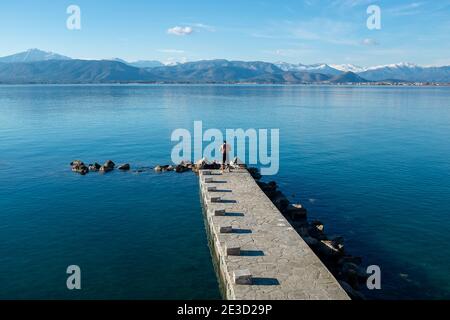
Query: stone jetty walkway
259 255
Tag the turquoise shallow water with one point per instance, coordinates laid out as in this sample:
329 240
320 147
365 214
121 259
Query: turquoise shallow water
371 163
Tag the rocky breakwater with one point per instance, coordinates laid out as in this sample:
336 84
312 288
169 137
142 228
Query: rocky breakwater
346 268
80 167
203 164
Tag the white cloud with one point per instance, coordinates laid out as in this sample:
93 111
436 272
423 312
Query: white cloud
180 31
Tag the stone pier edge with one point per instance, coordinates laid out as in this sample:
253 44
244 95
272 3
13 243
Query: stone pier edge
220 265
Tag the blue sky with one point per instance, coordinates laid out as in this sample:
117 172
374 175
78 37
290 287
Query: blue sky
283 30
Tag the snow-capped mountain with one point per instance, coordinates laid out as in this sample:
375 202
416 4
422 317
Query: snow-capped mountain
347 68
400 71
407 72
316 68
33 55
401 65
38 66
141 63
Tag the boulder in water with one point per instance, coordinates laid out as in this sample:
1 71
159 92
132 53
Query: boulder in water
124 167
105 169
350 259
296 212
353 294
78 166
181 168
280 201
254 172
353 273
109 164
318 225
94 167
330 250
164 168
76 163
310 241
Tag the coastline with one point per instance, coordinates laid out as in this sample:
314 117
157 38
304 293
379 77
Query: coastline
243 84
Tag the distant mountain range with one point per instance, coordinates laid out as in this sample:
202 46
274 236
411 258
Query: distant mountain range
36 66
33 55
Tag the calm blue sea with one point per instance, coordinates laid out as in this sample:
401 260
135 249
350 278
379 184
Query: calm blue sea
373 164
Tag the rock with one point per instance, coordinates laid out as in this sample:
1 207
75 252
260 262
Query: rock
164 168
94 167
296 212
302 231
200 164
109 164
350 259
351 270
353 294
181 168
268 188
78 166
77 163
311 241
204 164
327 248
318 225
186 164
142 169
212 166
337 242
83 170
105 169
280 201
124 167
315 229
254 172
216 166
161 168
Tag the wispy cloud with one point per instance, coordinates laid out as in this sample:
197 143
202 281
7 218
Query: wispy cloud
408 9
351 3
203 26
370 42
316 29
171 51
180 31
296 52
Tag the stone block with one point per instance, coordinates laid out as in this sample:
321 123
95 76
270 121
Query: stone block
226 229
233 249
242 277
208 180
219 212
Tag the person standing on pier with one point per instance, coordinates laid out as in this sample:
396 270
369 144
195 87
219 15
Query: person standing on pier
225 148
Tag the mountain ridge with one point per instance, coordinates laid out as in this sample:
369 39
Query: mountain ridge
37 66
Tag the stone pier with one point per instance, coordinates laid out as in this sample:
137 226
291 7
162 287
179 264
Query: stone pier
259 256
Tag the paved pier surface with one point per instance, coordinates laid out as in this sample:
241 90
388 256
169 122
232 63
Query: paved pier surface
259 255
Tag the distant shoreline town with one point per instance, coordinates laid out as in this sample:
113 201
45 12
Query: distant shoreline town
40 67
